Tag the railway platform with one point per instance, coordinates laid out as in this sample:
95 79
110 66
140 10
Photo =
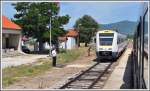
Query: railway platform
121 77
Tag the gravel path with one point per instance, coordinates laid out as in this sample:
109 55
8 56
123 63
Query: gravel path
56 76
18 60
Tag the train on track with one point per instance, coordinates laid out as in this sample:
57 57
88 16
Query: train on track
140 55
110 44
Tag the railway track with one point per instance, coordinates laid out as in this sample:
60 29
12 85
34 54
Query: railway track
91 78
94 77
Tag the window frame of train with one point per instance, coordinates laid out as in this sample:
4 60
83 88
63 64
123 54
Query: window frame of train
135 58
105 41
106 34
145 30
139 34
138 54
141 60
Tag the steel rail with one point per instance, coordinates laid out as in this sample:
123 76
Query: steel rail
101 73
68 83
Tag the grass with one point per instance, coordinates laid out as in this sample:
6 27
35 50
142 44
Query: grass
70 55
13 74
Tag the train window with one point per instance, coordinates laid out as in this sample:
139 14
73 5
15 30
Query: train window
106 34
118 40
106 41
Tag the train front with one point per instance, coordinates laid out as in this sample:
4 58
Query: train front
104 44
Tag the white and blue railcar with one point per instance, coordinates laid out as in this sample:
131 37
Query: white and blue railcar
109 44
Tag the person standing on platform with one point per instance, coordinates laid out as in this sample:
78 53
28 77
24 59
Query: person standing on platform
54 56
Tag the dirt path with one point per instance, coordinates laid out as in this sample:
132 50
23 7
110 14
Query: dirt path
56 76
18 60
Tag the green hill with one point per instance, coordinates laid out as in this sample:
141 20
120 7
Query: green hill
125 27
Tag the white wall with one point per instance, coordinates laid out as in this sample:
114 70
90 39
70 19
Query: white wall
19 43
62 45
46 46
70 43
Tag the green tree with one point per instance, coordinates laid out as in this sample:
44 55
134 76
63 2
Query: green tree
87 27
34 18
129 36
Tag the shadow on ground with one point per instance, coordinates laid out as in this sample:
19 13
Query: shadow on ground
39 52
128 76
60 66
104 60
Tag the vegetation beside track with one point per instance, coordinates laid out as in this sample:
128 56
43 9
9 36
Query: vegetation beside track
15 73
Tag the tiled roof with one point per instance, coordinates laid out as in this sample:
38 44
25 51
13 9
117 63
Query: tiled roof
8 24
72 33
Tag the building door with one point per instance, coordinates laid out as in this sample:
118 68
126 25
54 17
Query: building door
7 42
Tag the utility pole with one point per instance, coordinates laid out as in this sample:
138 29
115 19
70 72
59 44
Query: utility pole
79 35
50 28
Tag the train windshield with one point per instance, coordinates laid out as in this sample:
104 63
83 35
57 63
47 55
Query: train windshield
106 34
106 41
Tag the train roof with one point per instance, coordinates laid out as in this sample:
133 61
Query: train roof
110 31
105 31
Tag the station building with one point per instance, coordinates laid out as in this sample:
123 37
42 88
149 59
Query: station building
11 35
69 41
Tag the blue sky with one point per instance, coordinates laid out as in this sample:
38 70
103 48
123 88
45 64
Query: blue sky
102 12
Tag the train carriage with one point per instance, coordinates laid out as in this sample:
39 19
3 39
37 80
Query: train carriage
109 44
140 53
